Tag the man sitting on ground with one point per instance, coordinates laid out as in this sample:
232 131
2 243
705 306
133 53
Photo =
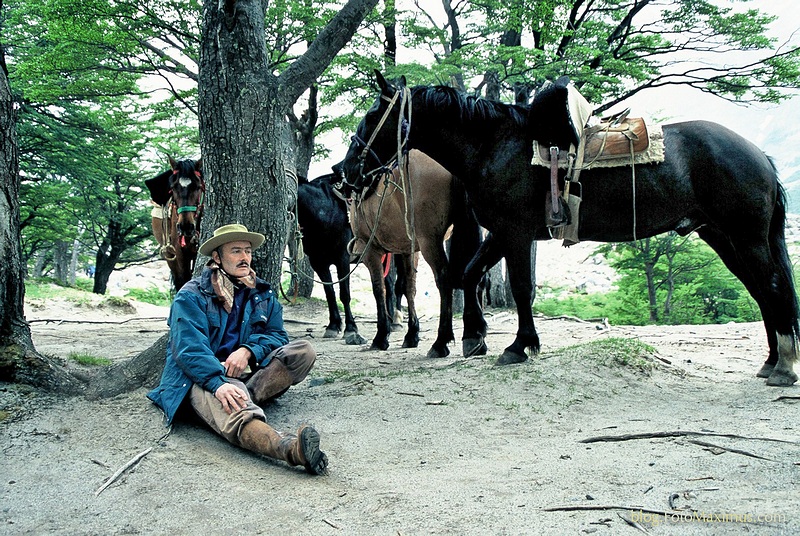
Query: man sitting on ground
229 352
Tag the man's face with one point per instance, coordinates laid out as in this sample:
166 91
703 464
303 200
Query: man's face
234 257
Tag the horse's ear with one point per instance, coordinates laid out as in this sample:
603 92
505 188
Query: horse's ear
173 163
198 166
403 80
562 81
382 83
338 169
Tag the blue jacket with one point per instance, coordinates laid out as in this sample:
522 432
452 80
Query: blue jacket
197 323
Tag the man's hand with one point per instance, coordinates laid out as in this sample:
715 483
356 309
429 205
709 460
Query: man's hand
233 398
237 362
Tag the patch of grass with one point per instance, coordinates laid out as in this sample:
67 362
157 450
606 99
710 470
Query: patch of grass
88 359
152 295
614 351
84 283
583 306
46 288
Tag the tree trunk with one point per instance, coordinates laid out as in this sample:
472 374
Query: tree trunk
497 286
241 131
38 267
73 262
649 269
61 262
19 361
104 264
144 369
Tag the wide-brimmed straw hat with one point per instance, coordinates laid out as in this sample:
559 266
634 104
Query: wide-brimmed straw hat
231 233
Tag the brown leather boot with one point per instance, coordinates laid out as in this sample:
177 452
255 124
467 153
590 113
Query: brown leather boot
270 382
301 449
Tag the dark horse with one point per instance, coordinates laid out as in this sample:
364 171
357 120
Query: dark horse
322 216
712 181
326 233
179 194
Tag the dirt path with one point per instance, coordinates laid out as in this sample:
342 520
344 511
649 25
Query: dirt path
418 446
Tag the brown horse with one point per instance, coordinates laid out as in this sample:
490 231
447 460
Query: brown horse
405 213
178 194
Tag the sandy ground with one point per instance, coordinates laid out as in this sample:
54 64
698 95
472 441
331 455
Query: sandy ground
420 446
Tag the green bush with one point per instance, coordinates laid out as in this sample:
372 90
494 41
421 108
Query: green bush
152 295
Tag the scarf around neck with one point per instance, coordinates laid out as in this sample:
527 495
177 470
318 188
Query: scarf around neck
224 284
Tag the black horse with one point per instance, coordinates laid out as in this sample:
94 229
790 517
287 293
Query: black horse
712 181
326 233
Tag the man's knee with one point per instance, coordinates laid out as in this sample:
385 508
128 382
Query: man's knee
299 357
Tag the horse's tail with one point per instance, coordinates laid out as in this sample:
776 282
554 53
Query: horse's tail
466 237
777 242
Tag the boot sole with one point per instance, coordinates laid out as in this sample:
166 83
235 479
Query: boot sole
316 460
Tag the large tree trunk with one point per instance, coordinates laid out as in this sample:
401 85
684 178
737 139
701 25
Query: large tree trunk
19 361
241 130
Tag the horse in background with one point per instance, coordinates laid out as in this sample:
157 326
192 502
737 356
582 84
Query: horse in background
178 194
325 230
404 212
711 181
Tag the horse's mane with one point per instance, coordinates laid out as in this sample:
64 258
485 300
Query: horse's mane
466 108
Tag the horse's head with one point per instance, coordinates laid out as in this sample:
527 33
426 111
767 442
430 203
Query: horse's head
187 192
552 119
380 137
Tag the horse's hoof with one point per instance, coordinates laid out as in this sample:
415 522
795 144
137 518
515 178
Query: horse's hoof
435 353
781 378
410 343
471 347
379 345
765 371
354 339
510 358
331 333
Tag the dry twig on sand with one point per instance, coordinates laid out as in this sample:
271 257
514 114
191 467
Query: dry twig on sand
677 433
122 469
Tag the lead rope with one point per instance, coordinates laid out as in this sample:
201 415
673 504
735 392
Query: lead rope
633 186
405 169
168 252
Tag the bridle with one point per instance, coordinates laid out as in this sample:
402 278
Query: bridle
193 208
403 95
168 250
369 180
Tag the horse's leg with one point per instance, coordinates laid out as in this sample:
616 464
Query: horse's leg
770 284
518 263
398 289
411 340
489 253
434 254
372 260
389 282
351 335
334 326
